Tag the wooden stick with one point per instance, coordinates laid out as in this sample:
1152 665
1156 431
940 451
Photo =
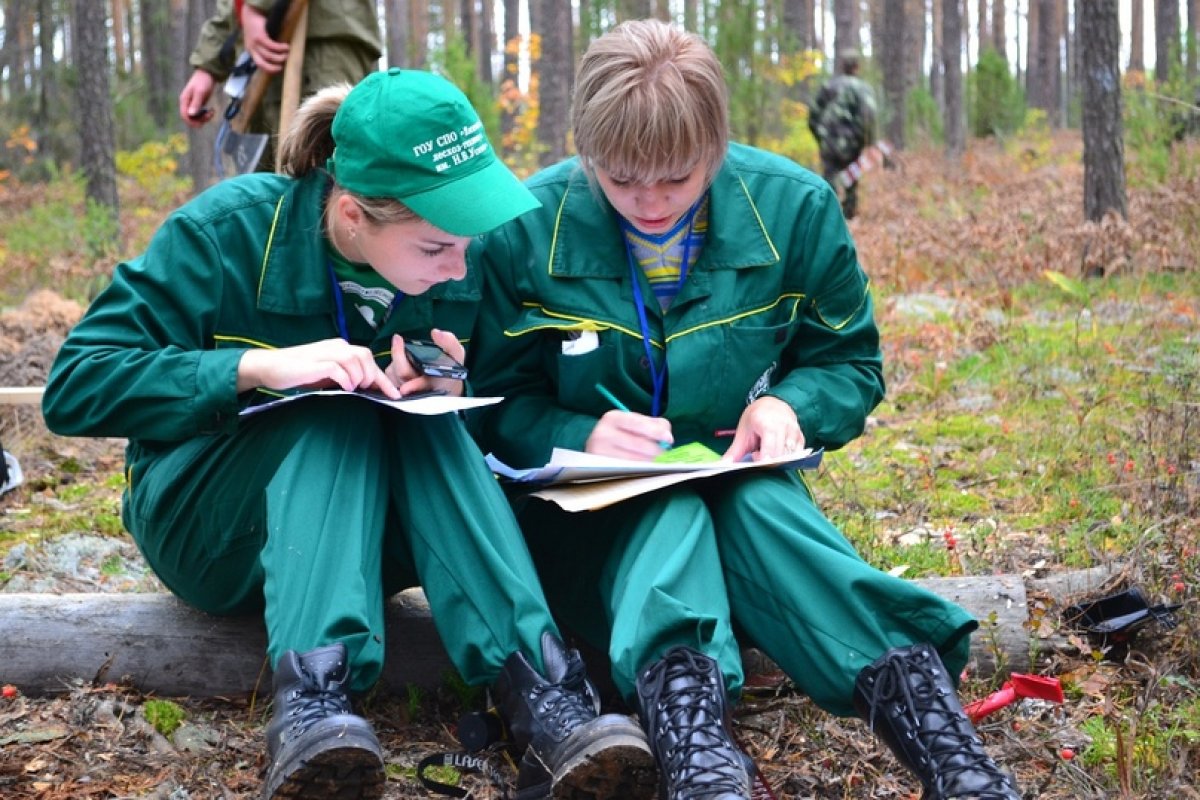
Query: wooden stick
293 71
257 86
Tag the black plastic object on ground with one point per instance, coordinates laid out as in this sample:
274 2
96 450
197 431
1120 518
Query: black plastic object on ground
1117 617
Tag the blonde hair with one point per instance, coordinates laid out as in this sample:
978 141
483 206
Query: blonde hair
308 144
651 104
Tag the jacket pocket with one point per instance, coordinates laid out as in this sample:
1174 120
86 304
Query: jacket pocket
580 353
837 306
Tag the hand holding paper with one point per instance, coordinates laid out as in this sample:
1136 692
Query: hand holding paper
768 428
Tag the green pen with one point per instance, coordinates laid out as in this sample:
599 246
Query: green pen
617 404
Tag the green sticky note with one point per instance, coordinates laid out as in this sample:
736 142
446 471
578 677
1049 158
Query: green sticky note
694 453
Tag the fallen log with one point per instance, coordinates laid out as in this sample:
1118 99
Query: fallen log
158 644
21 395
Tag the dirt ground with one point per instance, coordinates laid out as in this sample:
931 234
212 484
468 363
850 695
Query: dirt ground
94 741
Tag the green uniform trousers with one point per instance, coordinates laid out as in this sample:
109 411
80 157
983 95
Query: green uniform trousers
315 511
751 552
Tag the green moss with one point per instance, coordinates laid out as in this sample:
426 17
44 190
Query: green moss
165 716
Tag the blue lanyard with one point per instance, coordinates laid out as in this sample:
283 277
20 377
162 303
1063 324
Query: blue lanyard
658 377
339 302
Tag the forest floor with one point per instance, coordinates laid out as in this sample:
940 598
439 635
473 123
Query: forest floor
978 234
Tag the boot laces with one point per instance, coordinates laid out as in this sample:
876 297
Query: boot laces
912 684
701 759
565 705
314 700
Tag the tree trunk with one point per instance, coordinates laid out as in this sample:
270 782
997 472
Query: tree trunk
892 58
1166 38
937 73
1070 71
49 145
691 15
633 9
875 30
468 14
999 37
447 12
118 36
1103 143
1137 36
486 26
966 28
1020 63
983 34
1193 46
167 648
955 121
96 125
797 25
418 23
156 61
555 77
509 79
1046 96
845 30
16 47
396 15
914 46
1033 80
820 35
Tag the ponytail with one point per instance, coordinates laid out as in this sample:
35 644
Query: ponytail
308 143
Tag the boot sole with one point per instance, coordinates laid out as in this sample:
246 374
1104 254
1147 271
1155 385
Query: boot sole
615 766
331 770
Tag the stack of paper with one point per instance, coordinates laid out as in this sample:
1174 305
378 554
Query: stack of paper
579 481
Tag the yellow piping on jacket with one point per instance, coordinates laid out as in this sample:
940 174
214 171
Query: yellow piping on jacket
262 274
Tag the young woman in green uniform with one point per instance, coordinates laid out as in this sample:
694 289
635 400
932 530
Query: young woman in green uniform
315 511
708 286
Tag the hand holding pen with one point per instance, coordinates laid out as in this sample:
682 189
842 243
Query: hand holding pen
623 433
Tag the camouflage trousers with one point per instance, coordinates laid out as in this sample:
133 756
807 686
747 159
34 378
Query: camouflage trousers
848 194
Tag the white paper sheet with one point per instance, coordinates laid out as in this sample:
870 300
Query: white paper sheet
425 404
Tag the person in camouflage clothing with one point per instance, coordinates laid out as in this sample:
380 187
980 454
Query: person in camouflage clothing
842 119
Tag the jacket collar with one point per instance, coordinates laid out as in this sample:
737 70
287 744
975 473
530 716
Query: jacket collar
294 276
587 241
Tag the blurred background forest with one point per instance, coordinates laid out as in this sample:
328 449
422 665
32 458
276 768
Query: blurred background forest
88 88
1034 256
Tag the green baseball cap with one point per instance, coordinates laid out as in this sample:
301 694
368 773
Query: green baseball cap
413 136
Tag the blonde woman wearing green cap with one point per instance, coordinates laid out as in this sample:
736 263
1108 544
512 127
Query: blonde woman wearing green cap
313 512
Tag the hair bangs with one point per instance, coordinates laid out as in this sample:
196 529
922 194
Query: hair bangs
661 134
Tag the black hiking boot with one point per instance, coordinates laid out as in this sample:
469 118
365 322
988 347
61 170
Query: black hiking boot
907 698
318 748
570 751
683 708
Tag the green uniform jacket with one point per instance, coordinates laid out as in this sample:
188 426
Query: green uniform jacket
242 265
777 304
355 22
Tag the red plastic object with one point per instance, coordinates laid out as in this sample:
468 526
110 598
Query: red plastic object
1038 687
